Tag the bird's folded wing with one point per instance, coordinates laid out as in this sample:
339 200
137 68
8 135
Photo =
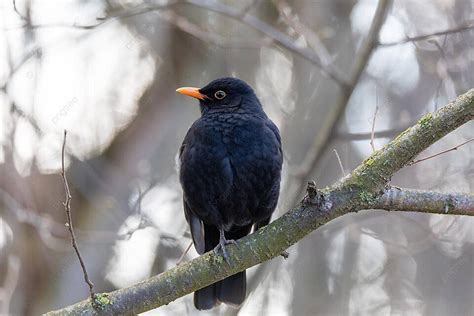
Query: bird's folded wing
197 229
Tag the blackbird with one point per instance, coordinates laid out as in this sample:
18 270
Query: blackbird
230 167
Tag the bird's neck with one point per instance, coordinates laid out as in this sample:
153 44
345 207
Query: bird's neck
244 108
236 113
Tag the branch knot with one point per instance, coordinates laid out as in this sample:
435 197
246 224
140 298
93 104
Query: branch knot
313 195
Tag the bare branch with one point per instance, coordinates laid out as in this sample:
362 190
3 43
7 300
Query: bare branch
67 208
442 152
468 25
409 200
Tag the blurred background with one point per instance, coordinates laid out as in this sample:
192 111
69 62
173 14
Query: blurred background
106 71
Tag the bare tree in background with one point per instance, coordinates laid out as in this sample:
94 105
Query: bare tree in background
106 71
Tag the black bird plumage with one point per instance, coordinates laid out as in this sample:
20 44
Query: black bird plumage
230 166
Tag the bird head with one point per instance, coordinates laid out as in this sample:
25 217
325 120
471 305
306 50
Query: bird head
224 95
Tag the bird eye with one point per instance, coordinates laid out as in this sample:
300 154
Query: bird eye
220 95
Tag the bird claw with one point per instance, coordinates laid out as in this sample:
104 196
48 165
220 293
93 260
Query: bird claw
221 246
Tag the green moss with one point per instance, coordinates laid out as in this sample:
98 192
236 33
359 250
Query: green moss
101 300
449 205
425 121
369 161
367 197
218 258
401 135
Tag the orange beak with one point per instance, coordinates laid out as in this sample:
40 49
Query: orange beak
192 92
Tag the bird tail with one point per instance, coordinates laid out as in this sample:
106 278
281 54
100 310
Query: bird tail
230 291
205 298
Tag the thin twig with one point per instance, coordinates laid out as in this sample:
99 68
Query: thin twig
440 153
180 260
468 25
67 208
372 134
18 12
340 162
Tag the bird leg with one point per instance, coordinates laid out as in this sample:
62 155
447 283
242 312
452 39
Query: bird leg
221 246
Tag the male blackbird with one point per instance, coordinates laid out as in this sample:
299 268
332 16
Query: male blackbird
230 166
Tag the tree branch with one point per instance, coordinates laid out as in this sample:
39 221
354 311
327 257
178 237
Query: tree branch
409 200
364 188
468 25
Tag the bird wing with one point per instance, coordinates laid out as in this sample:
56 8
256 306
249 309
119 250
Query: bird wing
275 130
269 200
197 229
195 224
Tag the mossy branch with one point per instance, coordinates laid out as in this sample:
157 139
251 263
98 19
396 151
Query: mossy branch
366 187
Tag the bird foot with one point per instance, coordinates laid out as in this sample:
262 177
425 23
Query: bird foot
221 246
